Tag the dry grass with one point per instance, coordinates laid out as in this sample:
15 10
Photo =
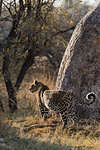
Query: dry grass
85 137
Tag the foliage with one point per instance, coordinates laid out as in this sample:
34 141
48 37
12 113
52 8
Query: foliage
30 29
38 27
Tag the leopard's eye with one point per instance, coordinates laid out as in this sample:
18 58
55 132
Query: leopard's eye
32 86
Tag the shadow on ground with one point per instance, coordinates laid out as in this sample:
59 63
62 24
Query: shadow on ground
15 143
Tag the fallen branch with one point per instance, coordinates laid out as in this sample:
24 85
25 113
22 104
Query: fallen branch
26 129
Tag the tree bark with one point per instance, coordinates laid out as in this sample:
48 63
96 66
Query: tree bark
1 7
9 86
1 104
6 59
28 3
26 65
80 67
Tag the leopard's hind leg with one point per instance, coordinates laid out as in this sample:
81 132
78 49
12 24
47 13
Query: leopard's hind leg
64 119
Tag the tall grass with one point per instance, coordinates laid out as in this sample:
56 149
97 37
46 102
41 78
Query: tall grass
81 137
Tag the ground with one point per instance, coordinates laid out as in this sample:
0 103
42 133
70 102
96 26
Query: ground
81 137
85 137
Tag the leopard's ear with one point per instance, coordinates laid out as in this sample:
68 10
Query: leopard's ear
35 82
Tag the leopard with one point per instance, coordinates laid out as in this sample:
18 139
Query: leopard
63 102
39 88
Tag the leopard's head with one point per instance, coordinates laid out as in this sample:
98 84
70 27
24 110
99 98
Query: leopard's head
35 86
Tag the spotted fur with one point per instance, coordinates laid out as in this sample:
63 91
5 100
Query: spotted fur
63 102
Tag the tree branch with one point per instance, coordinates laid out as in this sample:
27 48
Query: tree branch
8 9
15 6
57 33
21 5
63 31
48 10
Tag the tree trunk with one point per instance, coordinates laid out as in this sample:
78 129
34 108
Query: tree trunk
80 67
1 105
28 8
26 65
13 90
9 86
6 59
1 7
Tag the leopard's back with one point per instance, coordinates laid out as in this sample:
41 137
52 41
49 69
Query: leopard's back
59 98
